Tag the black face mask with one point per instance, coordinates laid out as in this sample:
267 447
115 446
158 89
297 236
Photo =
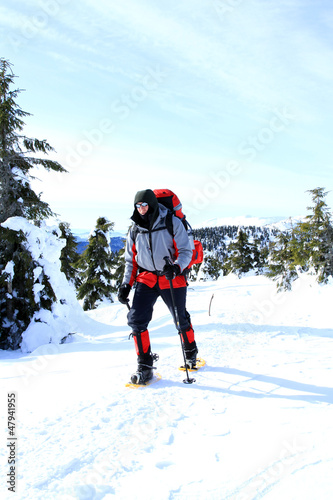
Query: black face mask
146 218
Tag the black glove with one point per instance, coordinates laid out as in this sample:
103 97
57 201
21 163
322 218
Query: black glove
171 270
123 293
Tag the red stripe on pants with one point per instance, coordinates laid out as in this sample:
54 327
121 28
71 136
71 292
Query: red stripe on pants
141 342
189 336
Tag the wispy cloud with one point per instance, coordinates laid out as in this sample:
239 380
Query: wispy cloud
227 64
259 53
256 52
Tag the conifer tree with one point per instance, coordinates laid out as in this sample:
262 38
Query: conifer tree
328 253
282 262
194 271
212 267
20 274
17 303
17 157
315 237
307 247
119 266
69 254
240 255
96 264
260 256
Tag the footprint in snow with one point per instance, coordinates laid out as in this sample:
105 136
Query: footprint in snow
163 464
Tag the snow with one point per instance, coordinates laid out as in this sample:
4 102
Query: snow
257 423
9 269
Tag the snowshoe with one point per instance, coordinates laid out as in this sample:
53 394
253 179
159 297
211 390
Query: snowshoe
199 364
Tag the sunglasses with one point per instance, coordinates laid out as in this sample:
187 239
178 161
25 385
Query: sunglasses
144 204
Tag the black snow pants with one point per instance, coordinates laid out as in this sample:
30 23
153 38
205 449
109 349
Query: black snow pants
141 314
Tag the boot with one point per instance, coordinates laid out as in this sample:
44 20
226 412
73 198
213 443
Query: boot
145 370
190 347
143 374
191 357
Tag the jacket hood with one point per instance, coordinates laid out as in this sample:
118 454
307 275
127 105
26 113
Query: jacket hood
148 196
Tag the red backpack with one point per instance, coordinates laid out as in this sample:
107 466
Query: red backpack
171 201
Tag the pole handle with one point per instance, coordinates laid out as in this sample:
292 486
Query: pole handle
167 259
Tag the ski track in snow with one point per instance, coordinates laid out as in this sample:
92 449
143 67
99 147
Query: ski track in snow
257 423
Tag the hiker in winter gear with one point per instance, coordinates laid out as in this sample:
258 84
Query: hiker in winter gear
148 243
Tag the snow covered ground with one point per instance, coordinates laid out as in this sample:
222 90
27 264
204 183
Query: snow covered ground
258 422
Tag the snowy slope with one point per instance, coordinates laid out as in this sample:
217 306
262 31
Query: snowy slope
258 422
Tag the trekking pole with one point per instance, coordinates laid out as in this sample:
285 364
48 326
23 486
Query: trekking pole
188 380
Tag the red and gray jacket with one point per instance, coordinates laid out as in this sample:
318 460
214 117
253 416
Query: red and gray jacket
145 251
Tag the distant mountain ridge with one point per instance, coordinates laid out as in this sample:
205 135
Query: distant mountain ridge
117 242
249 220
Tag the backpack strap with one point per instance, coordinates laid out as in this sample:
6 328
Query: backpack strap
168 222
135 231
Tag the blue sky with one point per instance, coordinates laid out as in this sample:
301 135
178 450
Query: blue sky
227 102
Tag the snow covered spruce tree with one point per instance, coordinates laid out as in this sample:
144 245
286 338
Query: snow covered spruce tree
25 288
240 258
315 236
17 304
282 262
307 247
96 264
260 255
211 267
69 255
